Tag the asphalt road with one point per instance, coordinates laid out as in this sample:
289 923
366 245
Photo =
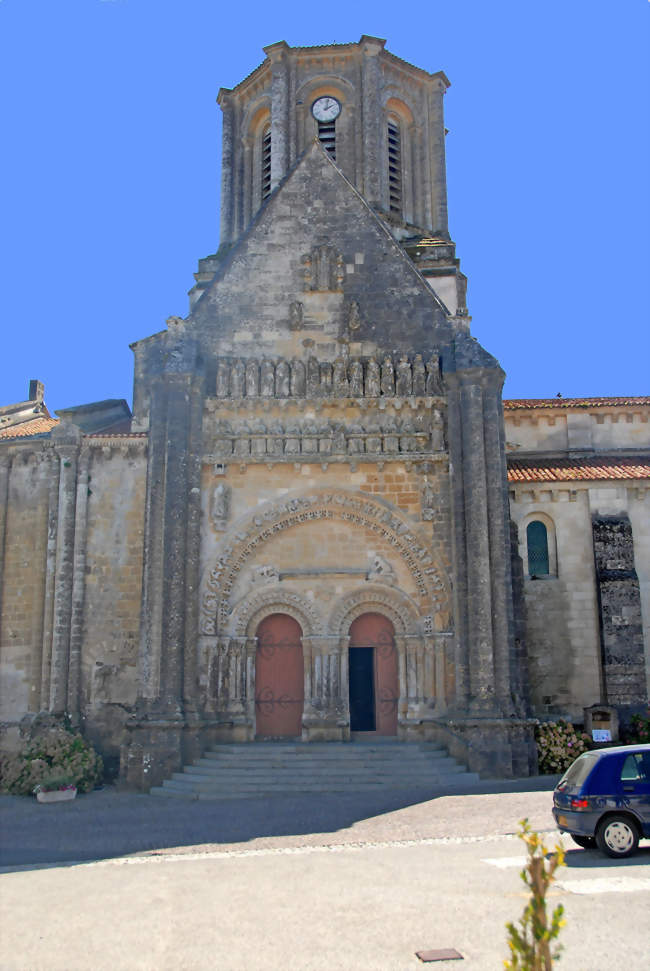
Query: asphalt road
307 883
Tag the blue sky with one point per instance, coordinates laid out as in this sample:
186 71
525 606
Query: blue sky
111 160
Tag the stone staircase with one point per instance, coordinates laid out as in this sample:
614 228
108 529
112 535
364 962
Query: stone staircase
254 769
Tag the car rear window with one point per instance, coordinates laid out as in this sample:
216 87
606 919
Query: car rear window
576 774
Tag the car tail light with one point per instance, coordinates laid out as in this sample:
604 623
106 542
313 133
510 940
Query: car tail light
579 803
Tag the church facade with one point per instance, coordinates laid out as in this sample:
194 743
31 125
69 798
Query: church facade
304 527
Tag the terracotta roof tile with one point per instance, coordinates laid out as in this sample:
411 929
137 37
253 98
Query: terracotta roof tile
513 404
569 469
36 426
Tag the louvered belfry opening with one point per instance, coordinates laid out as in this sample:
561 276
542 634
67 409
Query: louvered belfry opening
327 136
266 162
395 167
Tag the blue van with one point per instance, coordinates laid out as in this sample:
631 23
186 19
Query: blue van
603 799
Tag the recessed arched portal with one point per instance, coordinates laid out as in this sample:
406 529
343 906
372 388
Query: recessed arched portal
373 679
279 678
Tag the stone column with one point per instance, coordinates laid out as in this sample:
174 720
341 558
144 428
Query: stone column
78 586
52 475
67 439
225 102
5 472
278 56
437 157
248 183
459 551
372 122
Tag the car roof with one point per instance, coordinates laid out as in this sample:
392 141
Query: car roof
617 749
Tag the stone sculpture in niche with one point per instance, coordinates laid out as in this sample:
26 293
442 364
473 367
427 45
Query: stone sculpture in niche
242 441
220 506
356 379
380 570
340 378
356 441
252 379
427 501
297 379
404 378
292 441
373 441
258 436
372 379
407 439
237 379
323 269
282 380
434 378
391 439
295 315
310 440
274 441
223 379
419 376
313 377
223 437
326 379
387 377
267 379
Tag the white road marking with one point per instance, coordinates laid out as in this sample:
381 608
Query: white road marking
503 862
605 885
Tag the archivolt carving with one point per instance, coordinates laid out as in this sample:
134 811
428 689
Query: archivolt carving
253 609
394 604
356 508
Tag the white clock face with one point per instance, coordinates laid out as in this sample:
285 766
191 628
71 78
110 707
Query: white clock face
325 109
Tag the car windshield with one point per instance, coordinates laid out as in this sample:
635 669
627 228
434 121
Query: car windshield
576 774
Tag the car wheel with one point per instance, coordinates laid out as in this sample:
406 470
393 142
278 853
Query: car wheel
617 836
586 842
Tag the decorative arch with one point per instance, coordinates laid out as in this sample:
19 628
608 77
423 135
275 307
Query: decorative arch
392 603
252 610
252 531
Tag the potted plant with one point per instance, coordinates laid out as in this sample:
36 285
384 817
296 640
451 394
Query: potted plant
55 788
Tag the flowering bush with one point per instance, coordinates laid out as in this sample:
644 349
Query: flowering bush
639 731
558 745
52 760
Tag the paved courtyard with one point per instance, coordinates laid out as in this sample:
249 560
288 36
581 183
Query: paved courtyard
123 881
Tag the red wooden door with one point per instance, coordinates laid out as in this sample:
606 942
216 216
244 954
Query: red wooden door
279 678
377 632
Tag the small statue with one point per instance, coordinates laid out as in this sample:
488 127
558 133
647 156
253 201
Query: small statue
297 379
387 377
223 379
372 379
356 379
340 378
295 315
252 379
258 436
434 378
282 379
313 377
237 377
404 384
419 376
220 505
437 431
354 317
267 379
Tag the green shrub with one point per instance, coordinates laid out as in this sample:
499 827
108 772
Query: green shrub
558 745
55 752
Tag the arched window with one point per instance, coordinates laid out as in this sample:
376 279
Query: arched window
395 202
327 136
265 159
537 543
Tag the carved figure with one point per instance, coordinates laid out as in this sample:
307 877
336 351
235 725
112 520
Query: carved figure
373 387
373 439
437 431
223 379
407 438
237 377
427 501
381 570
242 440
258 436
356 379
220 506
313 377
404 384
340 378
356 441
310 440
326 379
292 441
297 379
434 378
338 439
387 377
223 438
282 379
264 574
274 442
252 379
391 439
295 315
267 379
419 376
